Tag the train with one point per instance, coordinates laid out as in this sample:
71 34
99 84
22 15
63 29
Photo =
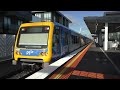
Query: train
45 42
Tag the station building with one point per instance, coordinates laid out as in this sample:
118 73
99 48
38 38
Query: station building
9 24
53 16
105 29
11 20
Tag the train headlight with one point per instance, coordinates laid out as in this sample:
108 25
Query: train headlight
18 52
43 53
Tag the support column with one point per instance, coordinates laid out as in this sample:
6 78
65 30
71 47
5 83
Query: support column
100 38
106 37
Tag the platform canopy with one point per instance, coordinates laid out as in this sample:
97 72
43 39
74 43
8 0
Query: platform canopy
95 23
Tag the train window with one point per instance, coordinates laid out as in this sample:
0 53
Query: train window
36 29
57 28
75 39
56 36
66 38
33 37
72 39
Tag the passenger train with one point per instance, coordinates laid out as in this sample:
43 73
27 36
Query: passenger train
45 42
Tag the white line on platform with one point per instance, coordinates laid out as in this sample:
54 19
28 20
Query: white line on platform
118 70
43 73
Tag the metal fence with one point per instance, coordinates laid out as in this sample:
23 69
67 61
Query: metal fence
6 46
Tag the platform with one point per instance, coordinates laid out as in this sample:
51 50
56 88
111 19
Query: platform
42 74
90 63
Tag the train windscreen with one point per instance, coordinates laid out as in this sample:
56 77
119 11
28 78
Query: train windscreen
33 37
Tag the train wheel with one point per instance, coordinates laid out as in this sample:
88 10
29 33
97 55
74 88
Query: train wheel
45 65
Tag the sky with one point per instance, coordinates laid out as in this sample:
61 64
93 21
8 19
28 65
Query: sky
77 18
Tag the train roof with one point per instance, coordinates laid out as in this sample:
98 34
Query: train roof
55 23
69 29
65 27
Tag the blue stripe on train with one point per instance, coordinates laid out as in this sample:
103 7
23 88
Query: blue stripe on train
32 52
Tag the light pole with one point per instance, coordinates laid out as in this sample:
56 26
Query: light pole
80 29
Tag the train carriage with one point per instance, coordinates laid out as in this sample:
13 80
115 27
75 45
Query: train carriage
44 42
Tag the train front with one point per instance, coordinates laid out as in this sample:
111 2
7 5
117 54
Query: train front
34 43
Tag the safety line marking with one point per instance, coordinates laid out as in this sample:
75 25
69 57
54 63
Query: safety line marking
57 76
94 75
118 70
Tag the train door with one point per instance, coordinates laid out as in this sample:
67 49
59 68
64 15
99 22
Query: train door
69 43
56 43
64 42
79 41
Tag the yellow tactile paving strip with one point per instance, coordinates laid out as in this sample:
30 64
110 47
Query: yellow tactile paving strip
94 75
65 71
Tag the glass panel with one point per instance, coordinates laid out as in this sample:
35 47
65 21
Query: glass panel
56 40
33 37
47 16
5 20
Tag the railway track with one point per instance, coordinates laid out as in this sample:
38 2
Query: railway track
22 73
